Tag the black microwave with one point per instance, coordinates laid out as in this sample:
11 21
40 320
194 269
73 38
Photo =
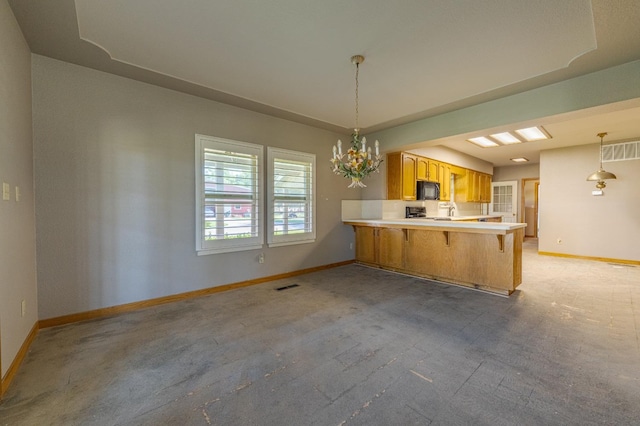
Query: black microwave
428 190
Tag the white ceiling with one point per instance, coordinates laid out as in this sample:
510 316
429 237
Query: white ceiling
295 55
291 58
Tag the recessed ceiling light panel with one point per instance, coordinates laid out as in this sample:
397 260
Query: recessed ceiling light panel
483 142
520 160
506 138
533 134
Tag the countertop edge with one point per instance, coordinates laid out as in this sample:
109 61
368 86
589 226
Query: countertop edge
444 225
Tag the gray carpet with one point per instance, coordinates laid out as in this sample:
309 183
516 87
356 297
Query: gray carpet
352 346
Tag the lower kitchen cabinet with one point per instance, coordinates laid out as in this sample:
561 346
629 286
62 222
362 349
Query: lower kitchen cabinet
483 258
366 244
381 246
391 247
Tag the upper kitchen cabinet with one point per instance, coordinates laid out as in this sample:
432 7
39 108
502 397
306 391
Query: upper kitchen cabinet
472 187
404 169
444 177
427 169
422 168
401 176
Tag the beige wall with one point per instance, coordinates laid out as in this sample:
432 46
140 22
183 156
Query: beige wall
115 190
599 88
605 226
517 173
17 218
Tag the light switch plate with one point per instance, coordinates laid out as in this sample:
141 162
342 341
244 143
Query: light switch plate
6 191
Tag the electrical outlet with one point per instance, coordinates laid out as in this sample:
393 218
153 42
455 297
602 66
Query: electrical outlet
261 258
559 241
350 246
23 308
17 193
6 191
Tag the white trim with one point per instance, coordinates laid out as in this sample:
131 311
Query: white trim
293 238
204 247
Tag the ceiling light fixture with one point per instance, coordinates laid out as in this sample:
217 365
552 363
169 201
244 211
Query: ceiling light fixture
533 134
506 138
359 162
520 160
483 142
601 175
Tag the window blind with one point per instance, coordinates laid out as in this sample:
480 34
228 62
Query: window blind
230 192
291 195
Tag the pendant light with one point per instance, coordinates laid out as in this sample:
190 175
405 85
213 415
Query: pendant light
601 175
358 162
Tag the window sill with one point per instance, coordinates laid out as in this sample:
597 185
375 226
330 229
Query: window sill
290 243
208 251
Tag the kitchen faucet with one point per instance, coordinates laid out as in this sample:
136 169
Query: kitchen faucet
451 209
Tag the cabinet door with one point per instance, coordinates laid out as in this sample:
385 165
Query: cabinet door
473 186
409 164
366 247
461 186
444 177
433 171
391 242
422 168
485 193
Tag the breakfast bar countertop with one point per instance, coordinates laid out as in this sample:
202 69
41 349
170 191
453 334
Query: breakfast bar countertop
445 225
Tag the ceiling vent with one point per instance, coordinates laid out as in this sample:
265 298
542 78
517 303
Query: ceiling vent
621 151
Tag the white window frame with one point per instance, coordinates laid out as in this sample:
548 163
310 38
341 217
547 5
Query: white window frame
204 246
274 240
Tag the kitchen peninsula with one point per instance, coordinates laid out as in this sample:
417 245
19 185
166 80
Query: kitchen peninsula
481 255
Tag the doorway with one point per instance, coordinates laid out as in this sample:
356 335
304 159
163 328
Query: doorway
529 207
504 200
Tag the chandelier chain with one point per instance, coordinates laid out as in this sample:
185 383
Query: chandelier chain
357 129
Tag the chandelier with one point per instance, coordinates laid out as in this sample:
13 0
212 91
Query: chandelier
601 174
358 162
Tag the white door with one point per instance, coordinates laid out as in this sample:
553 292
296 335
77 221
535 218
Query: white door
504 199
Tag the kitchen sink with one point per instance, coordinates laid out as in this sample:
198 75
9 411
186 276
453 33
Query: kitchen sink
439 218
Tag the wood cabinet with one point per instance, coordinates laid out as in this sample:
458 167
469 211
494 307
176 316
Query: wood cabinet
401 176
422 168
472 187
404 169
478 257
433 171
366 247
391 246
444 177
485 188
381 246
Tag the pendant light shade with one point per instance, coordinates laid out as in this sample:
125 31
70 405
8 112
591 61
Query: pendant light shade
601 175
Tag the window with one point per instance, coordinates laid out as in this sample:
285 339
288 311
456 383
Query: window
228 193
291 197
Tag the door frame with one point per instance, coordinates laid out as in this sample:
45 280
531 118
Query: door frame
515 201
536 182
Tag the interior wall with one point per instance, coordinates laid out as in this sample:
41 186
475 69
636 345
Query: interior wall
17 218
573 221
517 173
529 201
451 156
603 87
115 190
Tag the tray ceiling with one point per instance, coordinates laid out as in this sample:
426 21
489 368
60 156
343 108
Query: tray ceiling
290 58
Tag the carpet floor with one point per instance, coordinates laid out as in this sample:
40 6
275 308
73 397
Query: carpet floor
352 346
